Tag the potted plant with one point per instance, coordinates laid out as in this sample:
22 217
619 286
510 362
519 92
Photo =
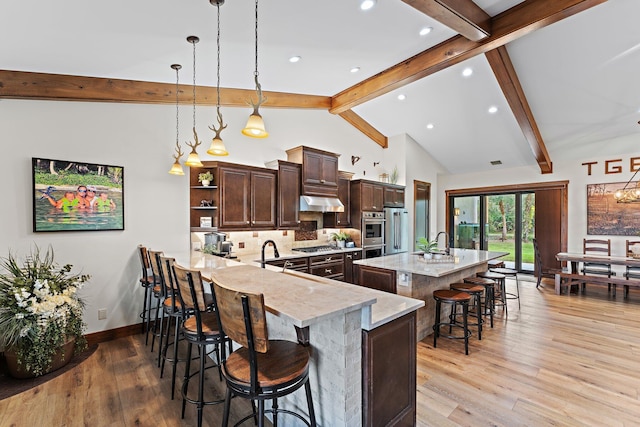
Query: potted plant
428 247
40 313
340 237
205 178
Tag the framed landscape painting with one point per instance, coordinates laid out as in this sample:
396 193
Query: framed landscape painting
607 217
77 196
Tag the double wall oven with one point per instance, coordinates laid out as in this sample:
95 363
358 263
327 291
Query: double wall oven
372 234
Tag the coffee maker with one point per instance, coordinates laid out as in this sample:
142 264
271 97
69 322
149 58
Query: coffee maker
218 243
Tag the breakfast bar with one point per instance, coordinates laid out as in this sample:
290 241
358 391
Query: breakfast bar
417 278
333 318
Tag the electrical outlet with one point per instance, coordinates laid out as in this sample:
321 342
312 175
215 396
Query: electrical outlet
102 314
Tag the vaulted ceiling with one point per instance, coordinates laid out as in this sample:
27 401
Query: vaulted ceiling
561 73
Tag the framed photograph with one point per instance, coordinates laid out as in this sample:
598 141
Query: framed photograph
76 196
607 217
205 221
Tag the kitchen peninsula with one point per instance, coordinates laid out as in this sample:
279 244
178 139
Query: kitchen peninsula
410 275
347 327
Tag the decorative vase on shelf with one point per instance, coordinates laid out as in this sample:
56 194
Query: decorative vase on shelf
206 182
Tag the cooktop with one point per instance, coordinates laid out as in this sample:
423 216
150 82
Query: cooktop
322 248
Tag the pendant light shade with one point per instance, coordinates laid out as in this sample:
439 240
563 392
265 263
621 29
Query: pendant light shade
217 147
176 169
194 160
255 125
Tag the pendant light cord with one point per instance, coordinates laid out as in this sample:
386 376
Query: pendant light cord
177 68
194 85
218 69
256 38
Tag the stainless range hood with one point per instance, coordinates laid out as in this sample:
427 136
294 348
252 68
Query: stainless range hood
320 204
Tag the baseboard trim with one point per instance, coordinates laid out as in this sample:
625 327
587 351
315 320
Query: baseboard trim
112 334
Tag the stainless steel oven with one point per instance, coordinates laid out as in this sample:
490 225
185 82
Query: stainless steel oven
372 233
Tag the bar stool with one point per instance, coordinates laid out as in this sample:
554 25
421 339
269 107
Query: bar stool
495 263
489 294
158 294
476 292
453 298
509 272
262 369
499 291
146 281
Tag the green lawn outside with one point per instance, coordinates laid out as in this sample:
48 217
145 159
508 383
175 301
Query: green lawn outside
527 250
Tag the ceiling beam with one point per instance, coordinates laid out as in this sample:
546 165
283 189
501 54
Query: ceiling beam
59 87
364 127
510 25
463 16
510 84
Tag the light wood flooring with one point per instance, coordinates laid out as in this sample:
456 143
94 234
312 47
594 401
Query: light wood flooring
568 360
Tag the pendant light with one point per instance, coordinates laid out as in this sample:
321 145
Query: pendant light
193 160
217 147
255 125
176 169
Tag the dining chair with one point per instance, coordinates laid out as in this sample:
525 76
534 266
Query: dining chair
540 271
632 272
597 247
261 369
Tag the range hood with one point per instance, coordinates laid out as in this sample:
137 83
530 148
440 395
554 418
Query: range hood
320 204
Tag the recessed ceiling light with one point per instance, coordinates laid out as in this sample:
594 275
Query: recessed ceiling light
355 69
493 109
402 97
295 58
430 126
425 31
467 72
367 4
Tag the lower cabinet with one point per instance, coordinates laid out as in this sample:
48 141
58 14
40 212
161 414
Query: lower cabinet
349 274
329 266
389 373
297 264
377 278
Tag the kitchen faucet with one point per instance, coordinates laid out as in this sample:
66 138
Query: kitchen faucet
446 243
275 251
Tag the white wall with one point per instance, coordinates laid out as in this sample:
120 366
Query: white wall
141 139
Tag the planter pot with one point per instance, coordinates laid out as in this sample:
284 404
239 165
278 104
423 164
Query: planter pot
206 182
341 243
428 256
61 357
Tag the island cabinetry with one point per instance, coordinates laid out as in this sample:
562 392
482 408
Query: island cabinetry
341 219
288 195
297 264
366 196
349 275
389 373
247 198
202 202
319 170
381 279
330 266
393 196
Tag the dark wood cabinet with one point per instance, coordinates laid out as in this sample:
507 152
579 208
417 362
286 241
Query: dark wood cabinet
366 196
319 170
377 278
246 197
202 201
288 195
341 219
393 196
297 264
349 257
330 266
389 373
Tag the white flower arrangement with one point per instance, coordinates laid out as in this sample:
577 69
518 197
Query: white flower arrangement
39 308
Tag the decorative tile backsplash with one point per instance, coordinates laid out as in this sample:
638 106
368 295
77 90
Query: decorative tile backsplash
308 231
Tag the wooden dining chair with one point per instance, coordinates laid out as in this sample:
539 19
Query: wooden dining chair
597 247
262 369
632 272
540 271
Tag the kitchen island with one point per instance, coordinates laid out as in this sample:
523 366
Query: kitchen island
409 274
344 326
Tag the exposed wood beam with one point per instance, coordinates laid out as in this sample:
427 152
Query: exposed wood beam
463 16
506 27
59 87
510 84
364 127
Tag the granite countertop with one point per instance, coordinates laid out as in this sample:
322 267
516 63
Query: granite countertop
302 298
414 263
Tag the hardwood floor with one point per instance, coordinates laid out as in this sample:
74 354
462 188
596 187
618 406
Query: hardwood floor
568 360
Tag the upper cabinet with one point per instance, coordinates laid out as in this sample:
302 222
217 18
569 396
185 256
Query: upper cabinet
393 196
319 171
288 195
245 197
365 196
341 219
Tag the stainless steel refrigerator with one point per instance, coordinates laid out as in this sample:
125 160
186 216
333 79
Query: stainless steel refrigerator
396 231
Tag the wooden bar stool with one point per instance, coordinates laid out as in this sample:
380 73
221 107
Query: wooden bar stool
476 292
262 369
453 298
147 282
495 263
500 279
489 294
509 272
